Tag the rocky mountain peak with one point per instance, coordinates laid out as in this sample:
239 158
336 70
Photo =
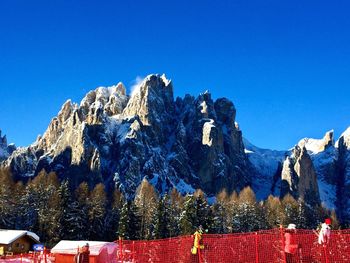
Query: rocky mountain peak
225 111
103 101
152 97
3 147
3 141
315 146
153 102
299 176
344 140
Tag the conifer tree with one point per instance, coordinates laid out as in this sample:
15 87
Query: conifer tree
221 211
97 210
248 216
289 210
130 222
7 200
66 201
146 200
188 215
162 219
112 218
80 212
204 216
174 210
273 211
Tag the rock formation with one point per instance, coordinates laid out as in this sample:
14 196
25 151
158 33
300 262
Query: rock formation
110 137
186 143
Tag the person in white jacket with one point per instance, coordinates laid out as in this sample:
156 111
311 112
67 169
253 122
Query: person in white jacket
325 232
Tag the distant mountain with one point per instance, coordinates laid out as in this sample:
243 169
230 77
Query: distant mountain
186 143
5 150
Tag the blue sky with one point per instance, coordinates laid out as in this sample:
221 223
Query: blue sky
284 64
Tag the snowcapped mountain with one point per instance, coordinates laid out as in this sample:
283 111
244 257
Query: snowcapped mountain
267 169
110 137
5 150
187 143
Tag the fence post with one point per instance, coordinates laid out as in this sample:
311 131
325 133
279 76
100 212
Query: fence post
133 251
21 257
325 253
256 248
199 255
121 249
283 244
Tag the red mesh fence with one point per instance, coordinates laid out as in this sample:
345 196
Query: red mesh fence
28 258
267 246
261 247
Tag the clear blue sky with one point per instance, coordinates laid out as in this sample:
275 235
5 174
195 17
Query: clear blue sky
285 64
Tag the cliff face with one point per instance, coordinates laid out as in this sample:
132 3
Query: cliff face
186 143
299 177
119 139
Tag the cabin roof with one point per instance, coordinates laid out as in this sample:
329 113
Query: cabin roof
8 236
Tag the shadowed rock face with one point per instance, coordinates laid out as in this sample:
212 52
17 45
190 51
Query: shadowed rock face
299 177
186 143
119 140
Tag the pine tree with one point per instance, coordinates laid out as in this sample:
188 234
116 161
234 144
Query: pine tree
335 221
7 200
221 210
204 216
66 200
248 216
188 216
123 228
174 210
97 210
273 211
289 210
146 200
112 218
80 212
162 219
130 222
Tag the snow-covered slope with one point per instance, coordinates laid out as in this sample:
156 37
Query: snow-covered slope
267 164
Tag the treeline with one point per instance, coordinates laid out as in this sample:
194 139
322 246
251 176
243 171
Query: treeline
54 212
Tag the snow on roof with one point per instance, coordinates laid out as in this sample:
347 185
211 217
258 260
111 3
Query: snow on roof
8 236
71 247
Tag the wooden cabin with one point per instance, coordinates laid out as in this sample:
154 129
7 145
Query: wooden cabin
16 241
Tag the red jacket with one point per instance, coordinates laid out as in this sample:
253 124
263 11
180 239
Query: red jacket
291 245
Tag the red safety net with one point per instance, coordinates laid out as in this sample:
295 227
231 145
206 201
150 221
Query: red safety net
37 257
267 246
260 247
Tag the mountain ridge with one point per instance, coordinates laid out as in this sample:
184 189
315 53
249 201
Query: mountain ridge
186 143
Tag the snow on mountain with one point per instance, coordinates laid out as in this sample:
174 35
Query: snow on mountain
187 143
324 156
118 139
345 137
315 146
266 163
5 150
